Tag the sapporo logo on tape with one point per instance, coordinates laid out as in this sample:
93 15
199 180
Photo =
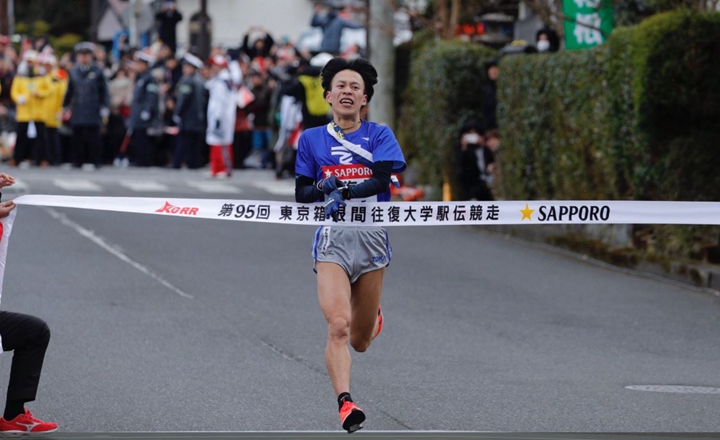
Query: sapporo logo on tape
570 213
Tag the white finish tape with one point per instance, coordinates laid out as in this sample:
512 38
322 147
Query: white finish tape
402 213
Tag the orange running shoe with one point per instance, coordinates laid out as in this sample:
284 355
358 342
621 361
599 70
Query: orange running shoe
26 424
351 417
379 322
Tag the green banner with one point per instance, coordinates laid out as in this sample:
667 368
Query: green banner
589 23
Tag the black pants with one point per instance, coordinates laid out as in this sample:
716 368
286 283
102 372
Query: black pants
87 145
52 141
22 143
187 149
242 144
480 191
40 146
66 141
28 336
27 148
114 137
142 148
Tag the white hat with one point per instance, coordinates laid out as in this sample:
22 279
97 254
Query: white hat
84 46
47 58
321 59
193 60
142 56
30 55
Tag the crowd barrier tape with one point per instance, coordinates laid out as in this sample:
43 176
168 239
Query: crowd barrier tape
386 214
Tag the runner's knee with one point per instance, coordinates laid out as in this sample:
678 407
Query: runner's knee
360 344
338 328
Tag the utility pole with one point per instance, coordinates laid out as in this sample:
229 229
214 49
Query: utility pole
95 15
381 53
204 35
133 16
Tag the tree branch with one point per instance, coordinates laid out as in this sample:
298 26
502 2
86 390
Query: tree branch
454 14
564 17
441 14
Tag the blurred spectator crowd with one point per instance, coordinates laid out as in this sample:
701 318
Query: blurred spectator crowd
240 107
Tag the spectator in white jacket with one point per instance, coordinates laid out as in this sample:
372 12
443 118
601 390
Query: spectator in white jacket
222 107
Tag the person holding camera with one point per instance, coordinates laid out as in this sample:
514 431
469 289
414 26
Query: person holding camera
476 164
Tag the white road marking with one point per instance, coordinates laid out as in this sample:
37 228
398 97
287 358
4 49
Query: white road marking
144 185
103 243
77 185
215 187
280 188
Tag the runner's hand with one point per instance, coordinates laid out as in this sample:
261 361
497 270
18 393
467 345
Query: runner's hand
333 203
329 185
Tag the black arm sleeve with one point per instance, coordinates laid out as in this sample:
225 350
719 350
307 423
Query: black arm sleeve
377 184
305 190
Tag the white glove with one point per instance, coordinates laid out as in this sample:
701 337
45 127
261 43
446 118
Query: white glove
145 116
22 99
104 112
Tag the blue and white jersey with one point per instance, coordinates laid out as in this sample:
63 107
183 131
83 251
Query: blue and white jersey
320 154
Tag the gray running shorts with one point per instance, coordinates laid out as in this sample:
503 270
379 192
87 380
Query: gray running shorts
358 250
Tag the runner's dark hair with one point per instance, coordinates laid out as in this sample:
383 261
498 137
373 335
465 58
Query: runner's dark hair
359 65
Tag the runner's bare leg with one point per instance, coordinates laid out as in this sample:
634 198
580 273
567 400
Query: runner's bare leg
365 300
334 294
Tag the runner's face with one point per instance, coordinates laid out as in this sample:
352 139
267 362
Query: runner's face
346 95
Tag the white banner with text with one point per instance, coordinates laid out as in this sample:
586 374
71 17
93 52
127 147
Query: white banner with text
402 213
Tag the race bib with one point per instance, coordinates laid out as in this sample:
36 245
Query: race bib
350 175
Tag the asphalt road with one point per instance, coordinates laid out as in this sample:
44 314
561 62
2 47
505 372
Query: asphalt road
176 324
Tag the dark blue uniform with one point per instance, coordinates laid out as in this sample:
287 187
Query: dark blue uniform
87 95
190 117
144 114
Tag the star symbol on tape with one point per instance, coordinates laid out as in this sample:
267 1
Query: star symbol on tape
328 173
526 213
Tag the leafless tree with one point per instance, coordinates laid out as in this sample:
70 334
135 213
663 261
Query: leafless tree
446 17
549 12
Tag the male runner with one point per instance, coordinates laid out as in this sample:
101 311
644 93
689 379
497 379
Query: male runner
350 261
